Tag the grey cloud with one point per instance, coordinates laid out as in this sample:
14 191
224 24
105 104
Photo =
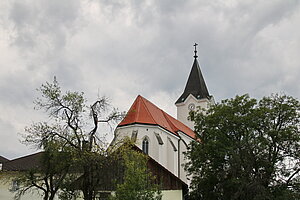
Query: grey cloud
49 18
17 90
125 48
10 144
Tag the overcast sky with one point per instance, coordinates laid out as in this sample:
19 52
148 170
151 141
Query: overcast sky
122 48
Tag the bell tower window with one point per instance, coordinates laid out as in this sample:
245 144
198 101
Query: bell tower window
145 146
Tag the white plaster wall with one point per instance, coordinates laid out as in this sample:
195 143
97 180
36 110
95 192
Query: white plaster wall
172 195
169 194
163 154
170 158
183 160
183 111
5 194
183 175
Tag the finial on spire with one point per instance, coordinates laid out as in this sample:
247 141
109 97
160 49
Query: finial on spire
195 51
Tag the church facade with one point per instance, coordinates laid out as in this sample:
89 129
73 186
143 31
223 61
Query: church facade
161 136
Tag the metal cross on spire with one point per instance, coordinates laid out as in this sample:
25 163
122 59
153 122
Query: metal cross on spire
195 51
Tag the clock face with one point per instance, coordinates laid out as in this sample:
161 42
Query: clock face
191 106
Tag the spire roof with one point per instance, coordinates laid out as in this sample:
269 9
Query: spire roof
143 111
195 84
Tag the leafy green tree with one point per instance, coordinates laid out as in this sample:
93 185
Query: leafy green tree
247 150
138 182
51 174
73 128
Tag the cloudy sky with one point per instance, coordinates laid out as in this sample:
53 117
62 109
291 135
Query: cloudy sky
122 48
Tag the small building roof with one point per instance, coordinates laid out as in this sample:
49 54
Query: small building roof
3 160
112 173
143 111
28 162
195 84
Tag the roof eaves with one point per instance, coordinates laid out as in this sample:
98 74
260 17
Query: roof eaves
3 159
180 131
139 123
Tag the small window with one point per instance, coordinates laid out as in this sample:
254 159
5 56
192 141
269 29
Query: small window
186 145
159 139
134 135
145 146
172 144
14 186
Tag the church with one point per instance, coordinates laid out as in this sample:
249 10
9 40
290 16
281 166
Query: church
161 136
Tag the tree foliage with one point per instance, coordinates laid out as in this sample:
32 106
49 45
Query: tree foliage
138 182
247 150
49 176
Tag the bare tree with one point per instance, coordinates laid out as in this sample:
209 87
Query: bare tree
72 130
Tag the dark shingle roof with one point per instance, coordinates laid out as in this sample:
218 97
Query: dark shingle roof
3 160
195 85
24 163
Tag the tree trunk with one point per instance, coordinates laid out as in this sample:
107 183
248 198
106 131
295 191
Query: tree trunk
87 187
52 195
46 196
87 195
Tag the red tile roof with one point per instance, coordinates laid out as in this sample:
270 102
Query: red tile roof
143 111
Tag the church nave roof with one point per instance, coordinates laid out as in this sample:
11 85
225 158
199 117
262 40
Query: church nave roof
143 111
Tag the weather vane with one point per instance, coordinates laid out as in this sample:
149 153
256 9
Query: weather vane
195 45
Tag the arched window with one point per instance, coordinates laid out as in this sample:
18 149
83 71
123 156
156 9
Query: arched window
145 146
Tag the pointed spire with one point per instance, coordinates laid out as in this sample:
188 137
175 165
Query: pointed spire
195 84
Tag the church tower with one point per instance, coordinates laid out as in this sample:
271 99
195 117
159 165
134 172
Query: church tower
195 94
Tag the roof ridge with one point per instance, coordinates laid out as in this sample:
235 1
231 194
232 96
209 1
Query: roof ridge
182 124
148 109
166 115
138 104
